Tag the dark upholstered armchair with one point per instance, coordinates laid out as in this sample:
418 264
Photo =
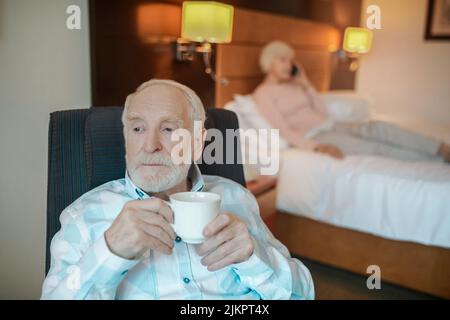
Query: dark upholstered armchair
86 149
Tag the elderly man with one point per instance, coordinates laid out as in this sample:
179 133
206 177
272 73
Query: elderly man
116 241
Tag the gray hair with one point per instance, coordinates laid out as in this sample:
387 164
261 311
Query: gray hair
273 50
197 112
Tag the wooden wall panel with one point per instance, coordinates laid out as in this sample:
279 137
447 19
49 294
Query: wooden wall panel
116 48
244 62
238 61
259 27
121 59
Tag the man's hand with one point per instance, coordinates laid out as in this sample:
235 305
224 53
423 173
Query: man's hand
227 241
330 150
141 225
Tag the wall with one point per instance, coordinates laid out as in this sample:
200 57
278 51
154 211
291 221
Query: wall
407 77
44 67
341 14
121 59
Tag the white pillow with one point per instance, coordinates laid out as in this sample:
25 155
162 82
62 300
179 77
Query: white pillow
250 118
347 106
245 108
249 115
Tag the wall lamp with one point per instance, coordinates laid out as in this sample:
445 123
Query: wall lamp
204 23
158 23
357 42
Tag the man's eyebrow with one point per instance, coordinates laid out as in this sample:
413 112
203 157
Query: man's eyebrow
174 120
133 116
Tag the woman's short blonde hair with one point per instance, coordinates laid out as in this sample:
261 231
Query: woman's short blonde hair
273 50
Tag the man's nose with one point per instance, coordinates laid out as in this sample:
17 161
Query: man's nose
152 142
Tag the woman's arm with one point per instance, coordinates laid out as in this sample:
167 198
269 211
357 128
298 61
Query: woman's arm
303 80
292 136
262 97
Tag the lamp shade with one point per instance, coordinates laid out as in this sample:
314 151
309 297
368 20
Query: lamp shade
158 22
207 21
357 40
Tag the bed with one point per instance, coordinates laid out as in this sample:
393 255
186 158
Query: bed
323 221
397 200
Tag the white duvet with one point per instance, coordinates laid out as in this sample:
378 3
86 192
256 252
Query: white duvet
408 201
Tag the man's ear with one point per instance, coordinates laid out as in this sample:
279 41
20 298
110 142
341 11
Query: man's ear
199 142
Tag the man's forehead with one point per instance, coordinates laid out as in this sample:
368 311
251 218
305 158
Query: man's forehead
160 96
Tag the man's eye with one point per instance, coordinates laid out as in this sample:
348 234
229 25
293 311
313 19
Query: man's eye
169 130
138 129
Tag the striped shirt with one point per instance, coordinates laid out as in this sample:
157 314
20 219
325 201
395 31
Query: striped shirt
82 266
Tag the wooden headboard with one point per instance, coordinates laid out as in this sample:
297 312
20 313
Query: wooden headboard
238 61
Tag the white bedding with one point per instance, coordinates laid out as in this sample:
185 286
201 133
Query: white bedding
393 199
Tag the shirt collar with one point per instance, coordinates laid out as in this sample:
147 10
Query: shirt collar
194 175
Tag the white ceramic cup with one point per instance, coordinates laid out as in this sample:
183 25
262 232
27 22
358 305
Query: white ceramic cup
192 211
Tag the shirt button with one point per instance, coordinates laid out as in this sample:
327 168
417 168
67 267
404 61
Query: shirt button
139 192
186 280
177 239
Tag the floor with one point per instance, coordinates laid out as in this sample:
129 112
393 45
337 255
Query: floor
332 284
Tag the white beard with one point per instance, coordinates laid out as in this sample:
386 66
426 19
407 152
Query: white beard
156 179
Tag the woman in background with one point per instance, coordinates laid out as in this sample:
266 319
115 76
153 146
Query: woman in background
288 101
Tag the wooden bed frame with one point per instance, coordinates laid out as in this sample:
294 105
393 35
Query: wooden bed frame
412 265
415 266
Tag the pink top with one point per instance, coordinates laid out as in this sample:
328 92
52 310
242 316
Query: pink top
291 109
